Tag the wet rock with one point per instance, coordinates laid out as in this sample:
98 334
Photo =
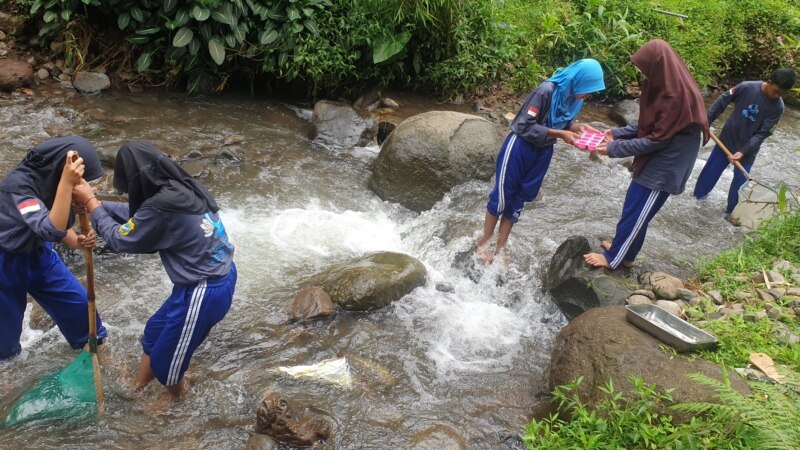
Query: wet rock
276 418
40 320
438 437
15 74
430 153
386 102
261 442
385 128
576 287
601 345
665 285
670 307
339 125
233 139
444 287
311 303
371 282
91 82
625 112
637 299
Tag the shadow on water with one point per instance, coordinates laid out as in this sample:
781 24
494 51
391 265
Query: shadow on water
468 364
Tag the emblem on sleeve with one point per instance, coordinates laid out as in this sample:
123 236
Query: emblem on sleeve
126 228
207 226
28 206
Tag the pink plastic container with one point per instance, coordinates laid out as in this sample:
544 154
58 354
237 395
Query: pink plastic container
589 140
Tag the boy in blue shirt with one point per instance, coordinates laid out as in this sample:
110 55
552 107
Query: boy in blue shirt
758 107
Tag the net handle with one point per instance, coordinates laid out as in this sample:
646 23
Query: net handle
730 155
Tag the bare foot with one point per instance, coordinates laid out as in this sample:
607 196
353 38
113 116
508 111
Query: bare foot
625 263
484 254
596 260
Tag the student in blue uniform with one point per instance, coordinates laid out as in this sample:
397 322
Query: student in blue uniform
171 213
664 143
35 211
757 108
524 158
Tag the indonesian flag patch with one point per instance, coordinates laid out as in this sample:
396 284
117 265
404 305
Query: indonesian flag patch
533 111
28 206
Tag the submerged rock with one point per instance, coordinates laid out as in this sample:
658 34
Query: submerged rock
311 303
277 419
371 282
339 125
430 153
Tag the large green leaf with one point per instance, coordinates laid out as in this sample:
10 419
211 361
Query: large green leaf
65 14
182 37
138 40
216 50
200 14
388 46
143 63
223 15
311 26
50 16
123 20
35 6
230 39
268 36
169 5
292 13
194 46
181 18
148 31
137 14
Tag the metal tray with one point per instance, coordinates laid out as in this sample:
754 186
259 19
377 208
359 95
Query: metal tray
670 329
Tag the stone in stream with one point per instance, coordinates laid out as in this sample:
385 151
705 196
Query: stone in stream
311 303
276 418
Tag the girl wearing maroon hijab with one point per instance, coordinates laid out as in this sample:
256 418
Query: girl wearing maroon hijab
664 143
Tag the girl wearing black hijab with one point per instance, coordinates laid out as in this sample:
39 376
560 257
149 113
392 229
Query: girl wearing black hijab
664 143
171 213
35 211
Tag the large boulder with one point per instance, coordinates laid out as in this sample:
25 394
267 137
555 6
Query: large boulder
339 125
428 154
15 74
600 345
625 112
371 282
576 287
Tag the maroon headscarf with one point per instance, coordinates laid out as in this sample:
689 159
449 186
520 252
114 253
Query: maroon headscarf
670 99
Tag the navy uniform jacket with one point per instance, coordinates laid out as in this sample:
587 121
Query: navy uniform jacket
192 247
25 223
532 122
752 120
671 161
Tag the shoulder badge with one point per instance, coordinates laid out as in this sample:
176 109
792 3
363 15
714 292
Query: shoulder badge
126 228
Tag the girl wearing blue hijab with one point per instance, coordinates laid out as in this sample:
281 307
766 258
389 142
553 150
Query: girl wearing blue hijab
524 158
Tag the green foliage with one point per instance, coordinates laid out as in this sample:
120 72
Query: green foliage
776 239
448 47
771 414
621 422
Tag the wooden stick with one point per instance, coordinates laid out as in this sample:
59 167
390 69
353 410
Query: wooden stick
730 155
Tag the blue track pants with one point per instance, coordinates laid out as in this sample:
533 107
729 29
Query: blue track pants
716 164
641 205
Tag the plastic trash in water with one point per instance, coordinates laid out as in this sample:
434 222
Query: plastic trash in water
335 371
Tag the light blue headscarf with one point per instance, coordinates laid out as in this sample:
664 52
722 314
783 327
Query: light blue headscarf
584 76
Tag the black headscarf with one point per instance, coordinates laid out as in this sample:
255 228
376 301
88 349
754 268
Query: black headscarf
151 178
39 173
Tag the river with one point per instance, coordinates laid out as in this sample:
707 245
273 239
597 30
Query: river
466 367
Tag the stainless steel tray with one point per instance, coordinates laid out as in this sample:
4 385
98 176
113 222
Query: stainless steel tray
670 329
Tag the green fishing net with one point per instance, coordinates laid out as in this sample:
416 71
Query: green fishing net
68 393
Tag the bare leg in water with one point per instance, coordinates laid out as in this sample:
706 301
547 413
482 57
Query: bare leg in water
145 375
484 254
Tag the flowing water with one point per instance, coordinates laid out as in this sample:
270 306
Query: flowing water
466 366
